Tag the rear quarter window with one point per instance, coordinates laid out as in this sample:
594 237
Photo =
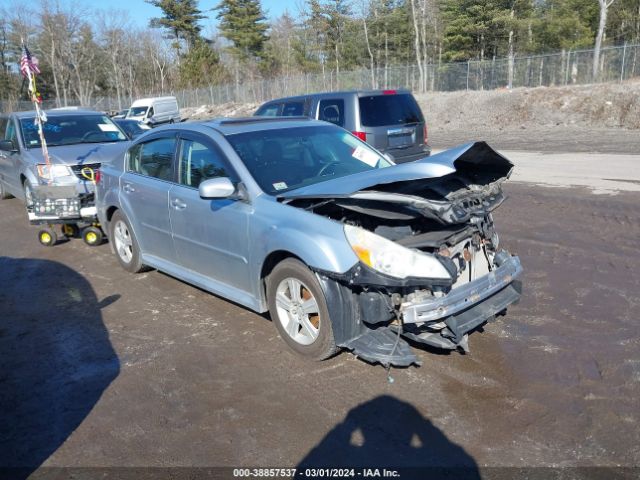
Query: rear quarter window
381 110
332 110
293 109
268 110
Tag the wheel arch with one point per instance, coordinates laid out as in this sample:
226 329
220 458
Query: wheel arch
269 263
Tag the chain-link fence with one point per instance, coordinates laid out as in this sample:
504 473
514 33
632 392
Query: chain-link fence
563 68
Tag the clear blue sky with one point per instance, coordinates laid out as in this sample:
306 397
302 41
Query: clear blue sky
141 12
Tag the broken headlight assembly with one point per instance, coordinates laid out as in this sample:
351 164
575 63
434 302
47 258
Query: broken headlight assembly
392 259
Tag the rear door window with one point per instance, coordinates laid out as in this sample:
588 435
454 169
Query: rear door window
293 109
154 158
381 110
332 110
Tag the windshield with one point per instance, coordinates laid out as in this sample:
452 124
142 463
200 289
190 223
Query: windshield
137 111
382 110
285 159
70 130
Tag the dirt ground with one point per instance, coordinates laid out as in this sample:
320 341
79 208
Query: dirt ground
99 367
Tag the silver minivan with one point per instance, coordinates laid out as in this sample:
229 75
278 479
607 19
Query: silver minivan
76 139
389 120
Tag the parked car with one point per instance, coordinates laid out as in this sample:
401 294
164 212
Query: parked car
120 114
133 128
302 219
155 111
389 120
75 138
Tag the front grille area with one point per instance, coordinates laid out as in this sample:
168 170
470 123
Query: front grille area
77 169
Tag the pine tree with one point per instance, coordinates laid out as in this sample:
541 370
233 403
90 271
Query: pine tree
181 18
242 22
201 67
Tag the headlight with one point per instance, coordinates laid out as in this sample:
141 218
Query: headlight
56 171
392 259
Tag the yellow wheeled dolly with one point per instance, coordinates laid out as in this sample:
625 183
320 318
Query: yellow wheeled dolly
62 205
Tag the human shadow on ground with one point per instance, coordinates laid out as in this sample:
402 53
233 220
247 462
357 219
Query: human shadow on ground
386 432
56 359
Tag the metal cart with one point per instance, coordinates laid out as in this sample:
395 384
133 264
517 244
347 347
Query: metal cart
62 205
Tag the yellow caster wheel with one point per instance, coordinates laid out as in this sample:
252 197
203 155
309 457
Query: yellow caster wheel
70 230
92 236
47 237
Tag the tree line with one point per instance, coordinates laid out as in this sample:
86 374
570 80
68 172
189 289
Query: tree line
84 52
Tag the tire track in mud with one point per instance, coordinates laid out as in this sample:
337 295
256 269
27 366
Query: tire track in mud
555 381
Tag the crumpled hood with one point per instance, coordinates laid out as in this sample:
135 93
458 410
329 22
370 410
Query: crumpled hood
81 154
472 156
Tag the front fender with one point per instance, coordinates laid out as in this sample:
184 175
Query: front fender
327 252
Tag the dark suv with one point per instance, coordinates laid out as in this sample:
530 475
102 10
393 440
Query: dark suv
389 120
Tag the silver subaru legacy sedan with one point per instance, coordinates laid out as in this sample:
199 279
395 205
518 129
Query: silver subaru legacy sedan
302 219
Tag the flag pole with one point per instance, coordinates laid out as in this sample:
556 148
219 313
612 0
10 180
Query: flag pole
29 71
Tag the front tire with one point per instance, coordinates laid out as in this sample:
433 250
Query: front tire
299 310
125 243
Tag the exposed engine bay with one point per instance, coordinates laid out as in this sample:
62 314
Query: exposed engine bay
446 217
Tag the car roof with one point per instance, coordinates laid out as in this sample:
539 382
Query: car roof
58 113
358 93
230 126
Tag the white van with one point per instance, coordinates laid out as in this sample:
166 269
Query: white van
155 111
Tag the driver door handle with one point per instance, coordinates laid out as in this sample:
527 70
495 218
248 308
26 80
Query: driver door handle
128 188
178 204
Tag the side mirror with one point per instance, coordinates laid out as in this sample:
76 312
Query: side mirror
220 187
7 146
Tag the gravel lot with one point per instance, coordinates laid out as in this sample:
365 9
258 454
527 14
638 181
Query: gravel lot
99 367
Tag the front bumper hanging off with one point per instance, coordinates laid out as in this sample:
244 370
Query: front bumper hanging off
443 322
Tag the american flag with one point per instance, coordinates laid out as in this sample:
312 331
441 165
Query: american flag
28 64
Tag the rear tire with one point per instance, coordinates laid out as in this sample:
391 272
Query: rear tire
299 310
125 244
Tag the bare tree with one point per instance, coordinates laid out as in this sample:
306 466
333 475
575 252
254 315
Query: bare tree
366 37
113 26
417 43
602 25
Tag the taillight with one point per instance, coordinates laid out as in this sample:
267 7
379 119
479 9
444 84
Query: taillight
97 176
389 92
361 135
425 134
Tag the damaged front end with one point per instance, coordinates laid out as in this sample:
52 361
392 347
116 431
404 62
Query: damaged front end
430 267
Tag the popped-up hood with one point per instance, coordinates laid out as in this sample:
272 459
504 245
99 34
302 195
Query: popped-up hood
477 155
81 154
449 187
